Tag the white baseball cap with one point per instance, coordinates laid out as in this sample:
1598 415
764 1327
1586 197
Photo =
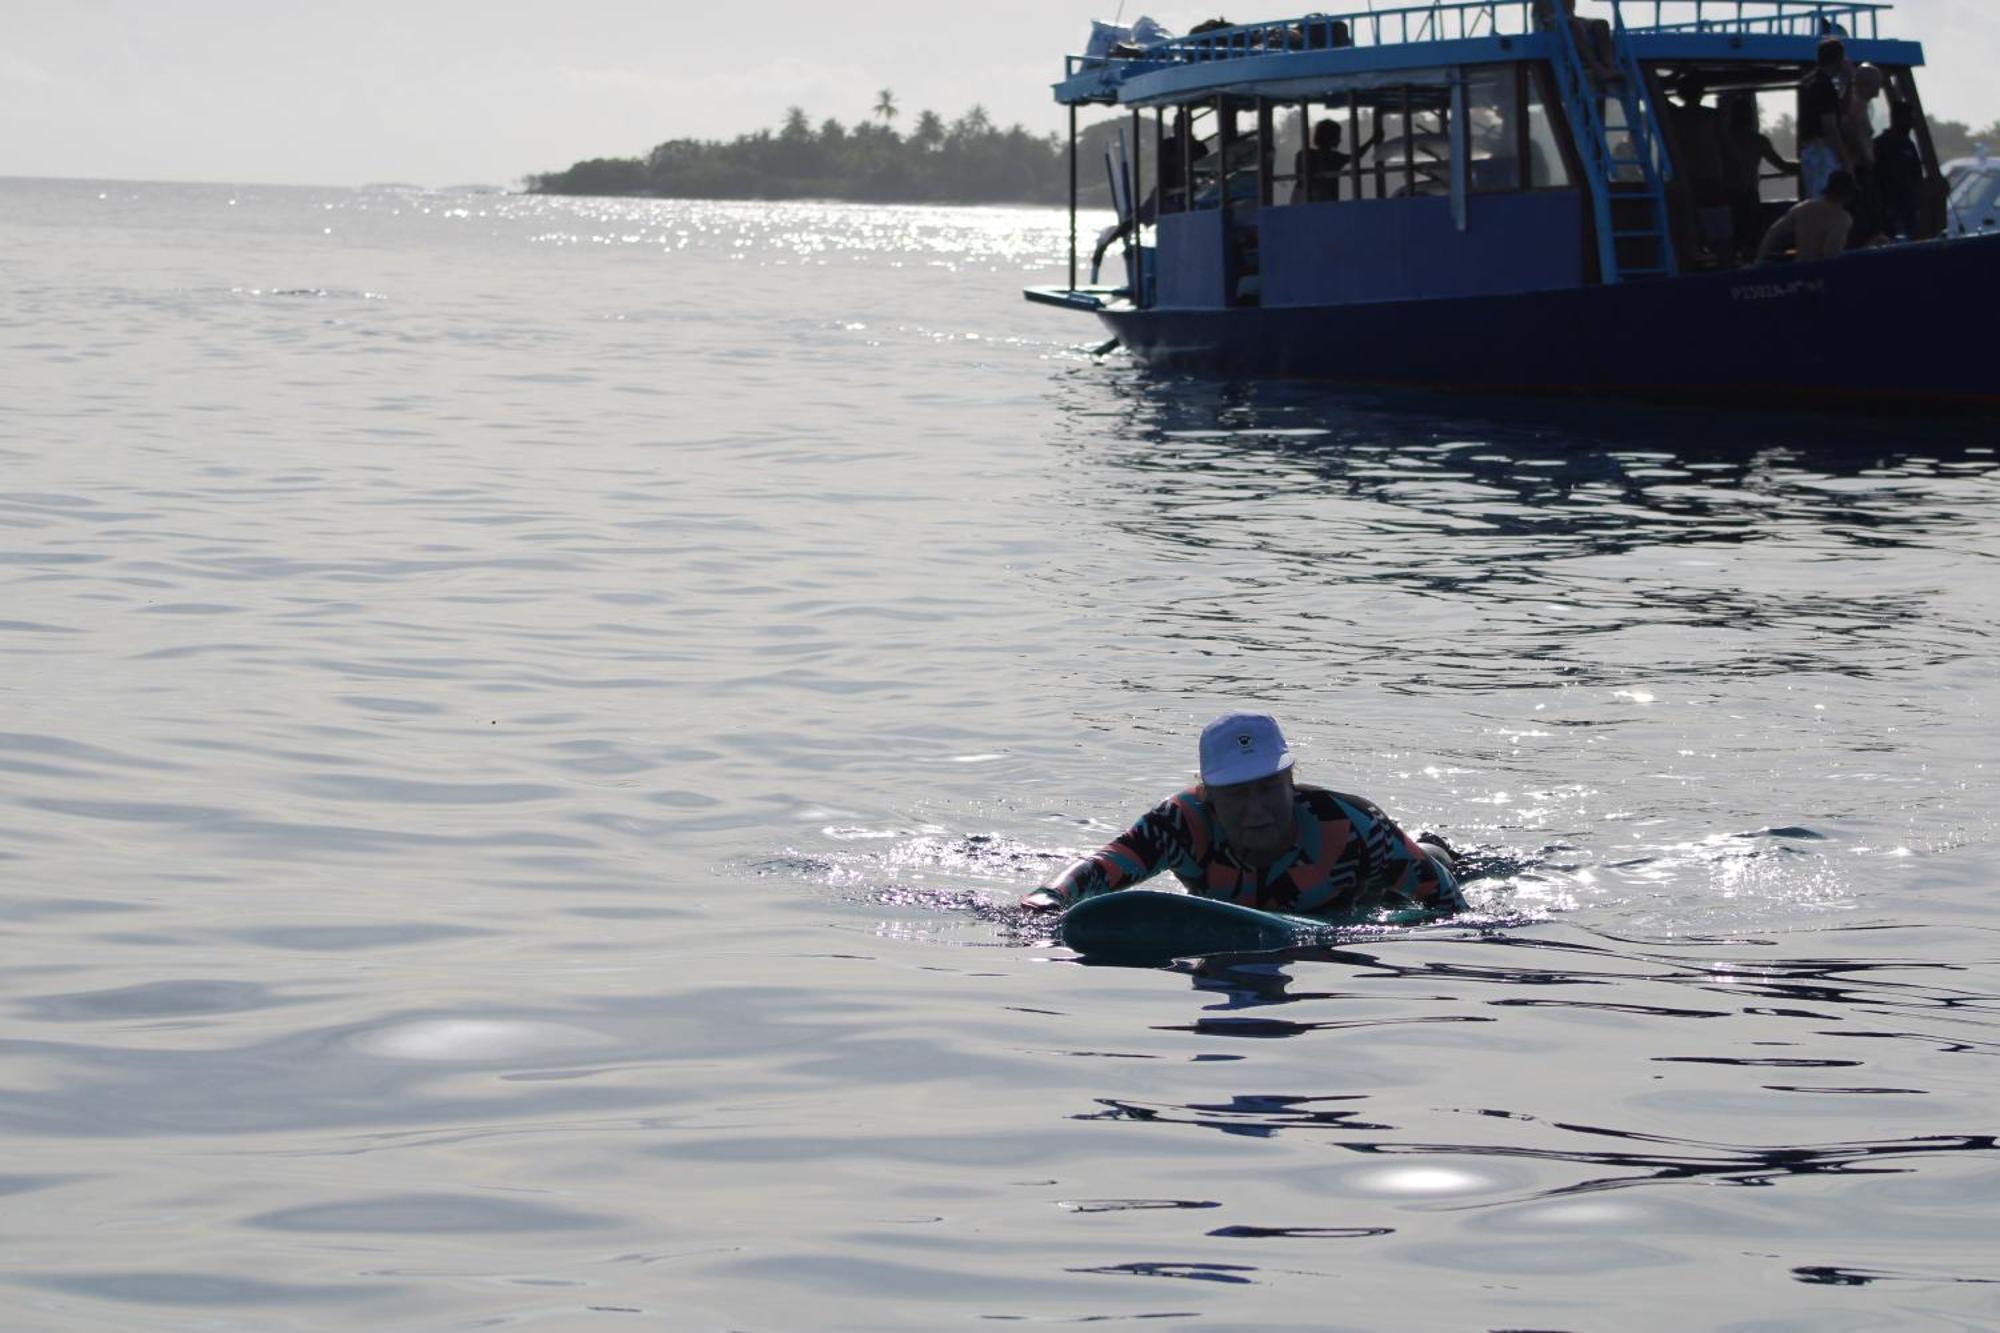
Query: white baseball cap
1242 747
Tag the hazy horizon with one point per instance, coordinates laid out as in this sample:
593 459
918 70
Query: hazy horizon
453 93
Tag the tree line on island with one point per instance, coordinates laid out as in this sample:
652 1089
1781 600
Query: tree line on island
969 160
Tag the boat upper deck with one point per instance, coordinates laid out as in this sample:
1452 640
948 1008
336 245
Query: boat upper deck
1283 54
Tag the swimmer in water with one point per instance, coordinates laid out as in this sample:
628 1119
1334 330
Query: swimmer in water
1247 833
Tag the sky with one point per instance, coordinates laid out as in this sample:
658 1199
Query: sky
449 92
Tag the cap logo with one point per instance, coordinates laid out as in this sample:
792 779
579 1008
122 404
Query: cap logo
1246 742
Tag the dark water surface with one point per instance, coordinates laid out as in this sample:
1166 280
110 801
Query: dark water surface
522 719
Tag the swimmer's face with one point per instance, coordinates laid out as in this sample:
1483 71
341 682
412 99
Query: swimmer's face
1256 817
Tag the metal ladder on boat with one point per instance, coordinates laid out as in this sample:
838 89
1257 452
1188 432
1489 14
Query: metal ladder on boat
1626 168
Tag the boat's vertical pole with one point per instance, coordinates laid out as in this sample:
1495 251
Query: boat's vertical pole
1187 162
1266 150
1378 120
1353 144
1072 196
1523 138
1936 196
1302 175
1409 144
1136 251
1225 141
1461 151
1159 167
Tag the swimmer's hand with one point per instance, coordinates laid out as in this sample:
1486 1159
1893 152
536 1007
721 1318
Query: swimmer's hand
1042 900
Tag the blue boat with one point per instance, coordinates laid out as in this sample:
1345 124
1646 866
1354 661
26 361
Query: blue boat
1495 195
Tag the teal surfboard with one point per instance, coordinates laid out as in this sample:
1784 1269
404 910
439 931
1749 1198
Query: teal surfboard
1145 923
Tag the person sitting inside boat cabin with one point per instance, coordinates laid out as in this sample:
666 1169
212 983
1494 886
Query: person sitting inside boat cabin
1246 833
1316 169
1816 229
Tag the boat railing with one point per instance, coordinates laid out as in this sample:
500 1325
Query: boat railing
1442 22
1459 20
1779 18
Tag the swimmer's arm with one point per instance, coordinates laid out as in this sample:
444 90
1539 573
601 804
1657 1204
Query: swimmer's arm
1151 845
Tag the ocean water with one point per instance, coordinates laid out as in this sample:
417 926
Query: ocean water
523 720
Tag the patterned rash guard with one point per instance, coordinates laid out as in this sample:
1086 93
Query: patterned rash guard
1348 858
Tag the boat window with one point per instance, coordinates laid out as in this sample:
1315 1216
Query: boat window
1288 137
1548 169
1396 142
1493 128
1186 141
1772 108
1408 152
1171 159
1225 156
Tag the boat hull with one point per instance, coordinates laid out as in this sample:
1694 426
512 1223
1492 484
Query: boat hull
1906 326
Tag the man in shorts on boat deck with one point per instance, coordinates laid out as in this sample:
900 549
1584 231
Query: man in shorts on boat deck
1246 833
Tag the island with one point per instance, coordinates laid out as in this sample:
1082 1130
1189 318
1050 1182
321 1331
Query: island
969 160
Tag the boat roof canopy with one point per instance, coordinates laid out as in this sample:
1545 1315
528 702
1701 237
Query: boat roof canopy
1356 49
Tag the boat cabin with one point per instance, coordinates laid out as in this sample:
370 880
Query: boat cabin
1463 148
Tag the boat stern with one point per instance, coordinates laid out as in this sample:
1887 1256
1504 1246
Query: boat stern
1089 299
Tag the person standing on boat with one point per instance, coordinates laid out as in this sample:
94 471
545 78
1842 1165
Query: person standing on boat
1246 833
1748 151
1865 86
1705 161
1823 146
1899 172
1594 42
1859 124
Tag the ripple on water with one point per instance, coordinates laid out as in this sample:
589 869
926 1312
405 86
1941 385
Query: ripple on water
196 1290
485 1040
155 999
442 1213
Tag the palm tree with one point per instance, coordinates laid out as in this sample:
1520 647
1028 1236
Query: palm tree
885 106
974 124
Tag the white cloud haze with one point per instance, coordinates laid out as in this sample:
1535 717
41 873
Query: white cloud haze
442 92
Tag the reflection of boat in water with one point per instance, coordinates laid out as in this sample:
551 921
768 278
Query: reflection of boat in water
1508 211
